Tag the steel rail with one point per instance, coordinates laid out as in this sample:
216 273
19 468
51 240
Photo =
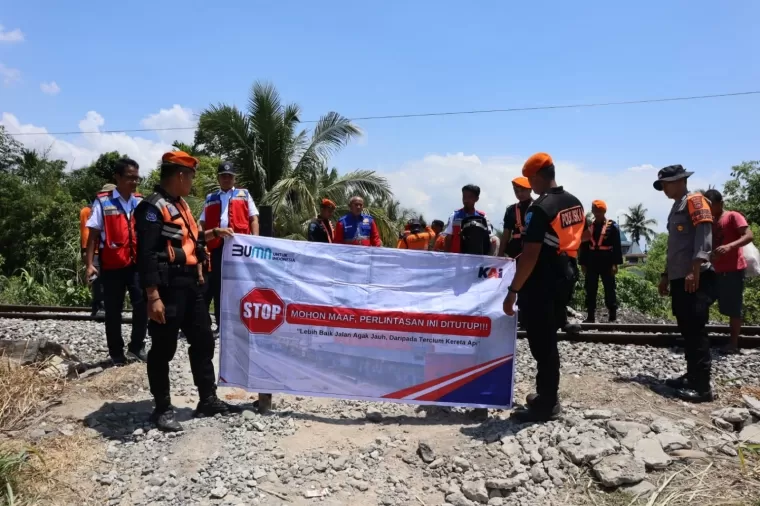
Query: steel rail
604 334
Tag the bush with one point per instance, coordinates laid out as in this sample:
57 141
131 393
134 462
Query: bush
633 291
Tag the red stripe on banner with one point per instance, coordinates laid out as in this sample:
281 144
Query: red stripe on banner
394 321
400 394
437 394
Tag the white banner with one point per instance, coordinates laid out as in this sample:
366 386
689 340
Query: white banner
366 323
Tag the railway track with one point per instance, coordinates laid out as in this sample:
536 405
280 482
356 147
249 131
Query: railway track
662 335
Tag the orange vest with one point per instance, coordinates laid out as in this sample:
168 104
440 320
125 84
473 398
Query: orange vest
239 220
179 230
599 245
120 245
419 241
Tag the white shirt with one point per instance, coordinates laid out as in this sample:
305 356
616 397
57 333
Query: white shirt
224 219
95 221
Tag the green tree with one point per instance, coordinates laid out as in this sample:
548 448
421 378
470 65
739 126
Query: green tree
742 192
264 142
656 258
10 151
84 183
637 225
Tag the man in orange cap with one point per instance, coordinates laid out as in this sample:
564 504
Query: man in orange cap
168 253
514 219
545 275
600 257
321 228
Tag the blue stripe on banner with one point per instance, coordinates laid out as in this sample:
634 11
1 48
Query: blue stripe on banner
493 388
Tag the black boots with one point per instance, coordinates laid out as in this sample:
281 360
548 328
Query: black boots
213 405
165 419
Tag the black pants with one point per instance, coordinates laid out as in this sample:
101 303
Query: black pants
213 288
185 310
544 313
115 283
592 286
692 312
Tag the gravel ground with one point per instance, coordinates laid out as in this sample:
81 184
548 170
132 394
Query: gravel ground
337 452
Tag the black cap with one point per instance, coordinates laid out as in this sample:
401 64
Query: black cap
670 173
226 168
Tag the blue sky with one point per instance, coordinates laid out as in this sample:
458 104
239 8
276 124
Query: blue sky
124 63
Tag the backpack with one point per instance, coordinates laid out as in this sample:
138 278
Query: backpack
475 236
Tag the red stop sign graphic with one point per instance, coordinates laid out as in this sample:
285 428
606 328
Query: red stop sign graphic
262 311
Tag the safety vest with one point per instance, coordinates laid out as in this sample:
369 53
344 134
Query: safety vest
418 241
357 231
237 210
599 245
566 218
119 249
179 230
459 215
519 229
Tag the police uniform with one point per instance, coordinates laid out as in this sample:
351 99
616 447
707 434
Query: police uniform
320 230
113 216
169 250
233 209
690 239
556 221
599 254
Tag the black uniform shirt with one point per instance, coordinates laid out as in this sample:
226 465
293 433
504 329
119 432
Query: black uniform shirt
151 246
514 247
602 258
320 231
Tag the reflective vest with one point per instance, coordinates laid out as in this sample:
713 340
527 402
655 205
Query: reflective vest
418 241
356 230
566 219
119 249
459 215
239 221
519 229
599 245
179 230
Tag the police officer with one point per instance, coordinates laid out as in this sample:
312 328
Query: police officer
545 274
690 279
227 208
514 219
112 225
320 228
600 257
169 251
357 228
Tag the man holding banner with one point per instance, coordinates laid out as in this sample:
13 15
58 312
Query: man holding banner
544 279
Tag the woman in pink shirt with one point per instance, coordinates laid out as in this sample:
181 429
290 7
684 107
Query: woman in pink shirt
730 233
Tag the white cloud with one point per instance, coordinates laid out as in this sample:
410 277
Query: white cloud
11 36
9 75
50 88
433 185
176 117
80 150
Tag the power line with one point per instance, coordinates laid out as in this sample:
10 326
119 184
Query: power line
432 114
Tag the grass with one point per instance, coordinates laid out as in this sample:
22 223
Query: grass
25 394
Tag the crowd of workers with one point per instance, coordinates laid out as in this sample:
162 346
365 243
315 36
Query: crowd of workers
153 249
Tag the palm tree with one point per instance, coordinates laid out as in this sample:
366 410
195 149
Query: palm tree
637 225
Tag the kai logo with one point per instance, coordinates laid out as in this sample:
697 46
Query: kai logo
490 272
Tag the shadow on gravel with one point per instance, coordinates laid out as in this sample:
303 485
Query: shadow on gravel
654 384
433 415
119 420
